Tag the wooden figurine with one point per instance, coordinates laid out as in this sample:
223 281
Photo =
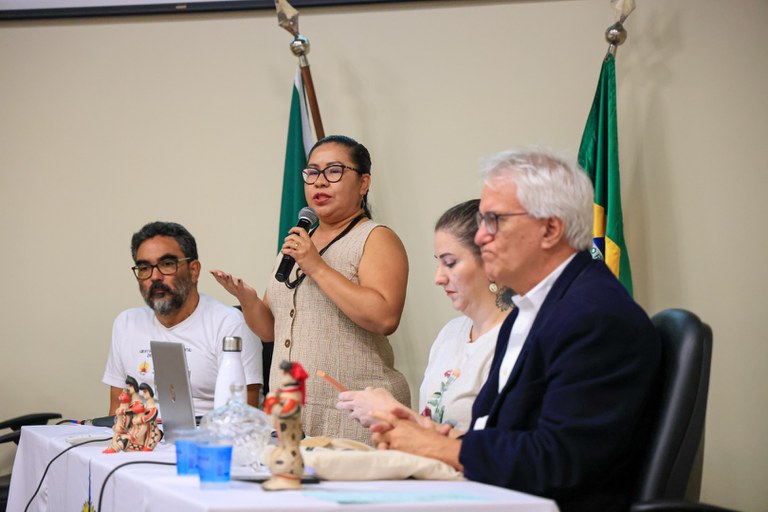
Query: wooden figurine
284 404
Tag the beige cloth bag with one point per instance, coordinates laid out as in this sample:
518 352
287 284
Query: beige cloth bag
345 459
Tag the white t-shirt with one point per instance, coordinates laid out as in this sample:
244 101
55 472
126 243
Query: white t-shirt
202 334
456 371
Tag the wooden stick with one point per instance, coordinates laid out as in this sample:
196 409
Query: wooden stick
309 87
331 380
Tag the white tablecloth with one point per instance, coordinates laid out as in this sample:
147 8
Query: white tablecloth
77 476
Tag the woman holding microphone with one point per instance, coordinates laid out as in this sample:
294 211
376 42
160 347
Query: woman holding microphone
345 294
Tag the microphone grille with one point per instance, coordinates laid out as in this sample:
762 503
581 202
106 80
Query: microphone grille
308 214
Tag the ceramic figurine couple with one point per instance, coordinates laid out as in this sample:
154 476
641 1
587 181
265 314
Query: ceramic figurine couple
135 428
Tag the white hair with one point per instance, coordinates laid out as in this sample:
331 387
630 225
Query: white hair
548 185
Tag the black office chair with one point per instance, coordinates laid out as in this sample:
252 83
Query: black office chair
671 475
14 435
267 348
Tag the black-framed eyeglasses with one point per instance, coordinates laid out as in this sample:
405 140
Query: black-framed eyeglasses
166 266
332 173
491 220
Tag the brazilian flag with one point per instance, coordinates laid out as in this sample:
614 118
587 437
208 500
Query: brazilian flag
297 148
599 157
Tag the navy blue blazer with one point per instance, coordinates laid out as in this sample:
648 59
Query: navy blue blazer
571 421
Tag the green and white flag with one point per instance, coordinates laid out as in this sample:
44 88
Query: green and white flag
599 157
296 151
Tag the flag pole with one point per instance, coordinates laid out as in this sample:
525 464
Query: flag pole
288 18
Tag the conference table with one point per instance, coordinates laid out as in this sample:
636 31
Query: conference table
75 479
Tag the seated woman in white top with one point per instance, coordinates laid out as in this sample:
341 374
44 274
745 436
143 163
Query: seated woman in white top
460 358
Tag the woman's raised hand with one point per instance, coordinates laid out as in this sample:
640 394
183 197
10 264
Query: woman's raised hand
236 286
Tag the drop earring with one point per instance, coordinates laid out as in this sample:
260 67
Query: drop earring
493 287
504 298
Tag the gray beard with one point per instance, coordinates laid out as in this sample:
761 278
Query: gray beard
169 305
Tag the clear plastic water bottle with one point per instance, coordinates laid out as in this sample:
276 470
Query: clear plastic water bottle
230 371
249 428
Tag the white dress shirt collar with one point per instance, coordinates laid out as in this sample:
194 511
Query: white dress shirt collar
528 306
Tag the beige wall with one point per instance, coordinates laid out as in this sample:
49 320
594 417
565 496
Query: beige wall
106 124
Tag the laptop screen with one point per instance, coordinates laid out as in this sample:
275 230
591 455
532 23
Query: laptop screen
174 393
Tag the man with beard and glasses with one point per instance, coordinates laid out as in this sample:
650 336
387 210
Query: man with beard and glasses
167 270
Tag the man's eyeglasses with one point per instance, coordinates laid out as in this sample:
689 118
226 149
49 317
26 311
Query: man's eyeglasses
332 173
491 220
166 266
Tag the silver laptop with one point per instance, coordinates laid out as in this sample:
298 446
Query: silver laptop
174 393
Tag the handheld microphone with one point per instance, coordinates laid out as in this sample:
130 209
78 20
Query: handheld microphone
307 217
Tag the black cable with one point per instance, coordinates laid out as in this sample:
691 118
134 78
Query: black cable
56 457
103 421
104 483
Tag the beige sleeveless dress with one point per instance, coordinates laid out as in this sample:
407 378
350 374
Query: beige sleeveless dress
311 330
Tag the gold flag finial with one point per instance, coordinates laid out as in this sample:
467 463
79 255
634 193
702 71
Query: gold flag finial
616 34
287 17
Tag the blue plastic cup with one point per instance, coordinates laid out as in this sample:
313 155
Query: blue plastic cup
214 461
186 451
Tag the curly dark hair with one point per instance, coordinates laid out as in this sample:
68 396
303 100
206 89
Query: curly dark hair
177 231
